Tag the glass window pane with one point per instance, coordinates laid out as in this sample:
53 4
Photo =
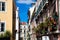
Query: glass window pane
0 6
2 29
3 6
2 26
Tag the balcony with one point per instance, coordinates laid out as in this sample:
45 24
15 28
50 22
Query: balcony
42 4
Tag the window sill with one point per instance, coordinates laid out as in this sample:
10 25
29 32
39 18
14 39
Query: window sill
1 32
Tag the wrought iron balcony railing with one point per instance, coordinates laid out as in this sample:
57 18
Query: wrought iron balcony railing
42 4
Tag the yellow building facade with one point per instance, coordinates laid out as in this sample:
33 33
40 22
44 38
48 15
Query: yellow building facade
7 15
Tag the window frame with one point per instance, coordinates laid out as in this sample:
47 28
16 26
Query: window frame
4 26
2 7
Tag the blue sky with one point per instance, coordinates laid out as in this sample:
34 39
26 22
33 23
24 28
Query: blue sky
24 5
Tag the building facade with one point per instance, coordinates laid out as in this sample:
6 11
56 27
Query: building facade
59 18
46 16
23 31
7 16
17 24
30 13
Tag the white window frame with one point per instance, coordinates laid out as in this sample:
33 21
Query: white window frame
2 6
4 27
5 7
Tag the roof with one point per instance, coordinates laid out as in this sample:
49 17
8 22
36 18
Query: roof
23 23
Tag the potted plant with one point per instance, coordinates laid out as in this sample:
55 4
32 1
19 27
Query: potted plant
51 24
48 23
5 36
55 16
36 30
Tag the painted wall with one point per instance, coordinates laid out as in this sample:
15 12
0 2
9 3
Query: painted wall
7 14
22 34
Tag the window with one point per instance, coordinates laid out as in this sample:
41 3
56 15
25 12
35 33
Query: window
29 28
2 6
2 26
24 31
20 30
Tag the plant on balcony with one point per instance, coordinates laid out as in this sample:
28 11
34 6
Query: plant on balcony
5 36
51 24
49 21
43 28
55 16
36 30
28 35
43 31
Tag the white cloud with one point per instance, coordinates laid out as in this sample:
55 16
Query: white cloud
25 1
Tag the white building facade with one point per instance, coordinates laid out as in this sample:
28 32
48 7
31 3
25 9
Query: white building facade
23 31
17 24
